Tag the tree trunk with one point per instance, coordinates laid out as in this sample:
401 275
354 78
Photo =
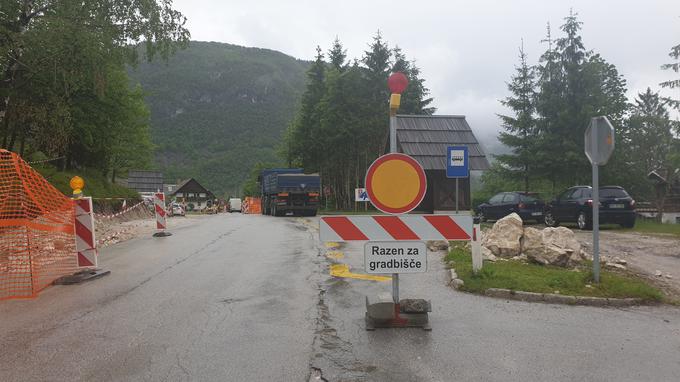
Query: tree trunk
18 25
22 144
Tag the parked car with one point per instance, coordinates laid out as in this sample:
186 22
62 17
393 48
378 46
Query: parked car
575 205
526 204
177 209
235 204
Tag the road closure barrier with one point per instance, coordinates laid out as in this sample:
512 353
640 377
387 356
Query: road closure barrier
37 242
403 227
86 243
122 212
252 205
161 223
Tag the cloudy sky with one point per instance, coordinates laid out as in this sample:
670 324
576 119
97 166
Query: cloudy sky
466 49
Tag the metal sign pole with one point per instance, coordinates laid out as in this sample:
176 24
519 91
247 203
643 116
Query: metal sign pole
596 224
456 196
596 211
393 149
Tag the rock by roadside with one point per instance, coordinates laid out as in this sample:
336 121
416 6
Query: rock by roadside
508 238
503 239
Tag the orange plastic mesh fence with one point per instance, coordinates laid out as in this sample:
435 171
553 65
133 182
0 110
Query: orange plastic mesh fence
252 205
37 243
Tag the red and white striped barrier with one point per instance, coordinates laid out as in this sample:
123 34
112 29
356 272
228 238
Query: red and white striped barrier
391 228
126 210
159 206
86 244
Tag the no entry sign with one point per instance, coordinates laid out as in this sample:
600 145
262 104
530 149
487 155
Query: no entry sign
396 183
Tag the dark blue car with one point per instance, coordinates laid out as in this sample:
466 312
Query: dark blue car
575 205
526 204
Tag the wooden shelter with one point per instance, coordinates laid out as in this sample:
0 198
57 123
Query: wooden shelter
426 138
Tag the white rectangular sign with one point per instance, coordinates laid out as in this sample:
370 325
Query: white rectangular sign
457 158
360 195
395 257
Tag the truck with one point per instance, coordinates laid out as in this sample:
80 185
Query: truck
287 190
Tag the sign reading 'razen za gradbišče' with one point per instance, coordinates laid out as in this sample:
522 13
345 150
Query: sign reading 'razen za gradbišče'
395 257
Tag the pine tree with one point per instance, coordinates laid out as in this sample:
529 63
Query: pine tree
549 106
520 129
650 131
305 145
674 83
376 61
337 56
574 85
572 119
414 100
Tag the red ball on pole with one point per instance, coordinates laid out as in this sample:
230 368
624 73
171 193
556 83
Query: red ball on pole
397 82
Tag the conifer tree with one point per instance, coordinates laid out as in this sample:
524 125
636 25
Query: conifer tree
549 106
675 67
520 129
337 56
415 99
377 65
650 131
305 144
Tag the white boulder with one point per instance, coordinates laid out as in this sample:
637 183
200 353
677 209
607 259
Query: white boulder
557 246
503 239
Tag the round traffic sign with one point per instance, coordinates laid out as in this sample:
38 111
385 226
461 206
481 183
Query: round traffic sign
396 183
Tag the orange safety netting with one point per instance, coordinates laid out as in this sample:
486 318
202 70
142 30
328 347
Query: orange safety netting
37 243
252 206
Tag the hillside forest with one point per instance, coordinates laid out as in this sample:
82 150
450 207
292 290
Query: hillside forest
218 109
65 94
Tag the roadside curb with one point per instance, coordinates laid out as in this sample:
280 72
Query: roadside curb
549 298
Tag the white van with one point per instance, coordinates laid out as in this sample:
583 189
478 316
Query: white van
235 204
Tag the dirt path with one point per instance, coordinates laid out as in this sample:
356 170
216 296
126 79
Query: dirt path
112 232
645 254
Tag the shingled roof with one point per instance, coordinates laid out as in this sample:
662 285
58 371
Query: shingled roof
426 137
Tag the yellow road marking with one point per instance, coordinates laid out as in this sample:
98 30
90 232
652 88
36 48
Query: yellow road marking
332 244
336 255
342 270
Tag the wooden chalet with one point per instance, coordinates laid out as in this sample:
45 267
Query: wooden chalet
426 138
193 195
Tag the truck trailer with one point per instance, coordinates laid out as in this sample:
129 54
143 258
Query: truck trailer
289 190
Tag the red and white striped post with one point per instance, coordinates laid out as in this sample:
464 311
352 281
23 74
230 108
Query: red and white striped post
476 247
86 244
161 223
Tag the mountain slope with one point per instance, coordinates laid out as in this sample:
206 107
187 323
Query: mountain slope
217 109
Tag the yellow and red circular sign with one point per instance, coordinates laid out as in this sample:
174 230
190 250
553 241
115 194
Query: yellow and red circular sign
396 183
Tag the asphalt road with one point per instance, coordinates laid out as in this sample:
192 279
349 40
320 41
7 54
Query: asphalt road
228 299
249 298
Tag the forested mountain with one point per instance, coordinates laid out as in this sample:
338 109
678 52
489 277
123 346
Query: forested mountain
217 109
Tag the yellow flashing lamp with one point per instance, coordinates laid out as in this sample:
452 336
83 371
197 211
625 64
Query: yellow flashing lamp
77 184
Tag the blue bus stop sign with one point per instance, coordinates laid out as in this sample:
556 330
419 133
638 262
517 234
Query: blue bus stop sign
457 162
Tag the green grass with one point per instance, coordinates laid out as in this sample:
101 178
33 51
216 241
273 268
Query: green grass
96 184
520 276
648 226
